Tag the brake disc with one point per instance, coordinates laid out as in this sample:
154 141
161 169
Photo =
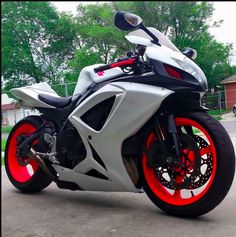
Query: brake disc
203 174
193 176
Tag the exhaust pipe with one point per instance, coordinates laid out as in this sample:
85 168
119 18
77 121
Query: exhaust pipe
41 163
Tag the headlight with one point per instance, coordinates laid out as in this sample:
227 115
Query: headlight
192 68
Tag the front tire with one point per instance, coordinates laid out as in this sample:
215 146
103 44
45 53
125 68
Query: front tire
216 152
27 178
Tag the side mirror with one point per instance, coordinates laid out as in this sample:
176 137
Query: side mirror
127 21
190 53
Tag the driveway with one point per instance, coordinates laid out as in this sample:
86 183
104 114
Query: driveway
57 212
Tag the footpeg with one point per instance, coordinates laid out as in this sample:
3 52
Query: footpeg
50 156
53 159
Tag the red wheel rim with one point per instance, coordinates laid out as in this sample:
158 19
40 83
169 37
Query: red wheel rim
20 173
176 197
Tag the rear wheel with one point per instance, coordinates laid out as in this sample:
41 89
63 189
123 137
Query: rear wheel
206 172
24 173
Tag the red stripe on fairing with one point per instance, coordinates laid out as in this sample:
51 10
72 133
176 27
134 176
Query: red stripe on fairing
101 73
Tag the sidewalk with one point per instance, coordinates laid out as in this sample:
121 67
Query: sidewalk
229 117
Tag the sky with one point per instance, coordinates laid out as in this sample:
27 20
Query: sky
225 11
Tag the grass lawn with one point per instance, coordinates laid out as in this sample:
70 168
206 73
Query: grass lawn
4 141
216 113
3 149
217 117
6 129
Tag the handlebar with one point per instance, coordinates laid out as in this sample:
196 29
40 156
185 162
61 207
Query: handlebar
122 62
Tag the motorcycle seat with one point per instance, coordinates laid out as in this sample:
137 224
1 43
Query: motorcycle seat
58 102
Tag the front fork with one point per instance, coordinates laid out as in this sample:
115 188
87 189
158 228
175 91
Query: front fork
176 141
164 145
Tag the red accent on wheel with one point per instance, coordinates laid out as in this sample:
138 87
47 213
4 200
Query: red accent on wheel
20 173
163 193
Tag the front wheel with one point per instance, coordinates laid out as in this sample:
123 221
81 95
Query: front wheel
206 172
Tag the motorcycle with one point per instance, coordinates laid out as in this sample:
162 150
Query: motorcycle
135 125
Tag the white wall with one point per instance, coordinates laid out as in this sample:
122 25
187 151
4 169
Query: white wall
14 116
6 99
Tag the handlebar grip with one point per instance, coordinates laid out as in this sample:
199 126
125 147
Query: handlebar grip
122 62
102 68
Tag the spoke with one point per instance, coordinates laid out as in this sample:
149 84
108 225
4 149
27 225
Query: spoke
205 150
192 193
177 194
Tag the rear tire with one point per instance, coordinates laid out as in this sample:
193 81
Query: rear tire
217 186
30 178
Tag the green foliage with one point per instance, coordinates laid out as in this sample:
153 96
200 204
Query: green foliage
98 33
216 112
3 161
36 42
4 141
39 44
83 57
6 129
213 58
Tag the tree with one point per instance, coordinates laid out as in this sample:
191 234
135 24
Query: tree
97 31
99 40
36 42
83 57
186 24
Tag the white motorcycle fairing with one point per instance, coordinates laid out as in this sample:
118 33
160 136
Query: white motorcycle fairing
28 95
134 104
88 77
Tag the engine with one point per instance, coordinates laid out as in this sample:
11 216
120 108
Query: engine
70 148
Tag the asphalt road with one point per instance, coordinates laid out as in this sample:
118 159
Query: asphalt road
230 126
57 212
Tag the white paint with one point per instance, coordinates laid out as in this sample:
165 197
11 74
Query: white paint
29 94
134 104
87 77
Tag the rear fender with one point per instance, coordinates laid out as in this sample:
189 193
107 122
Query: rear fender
28 95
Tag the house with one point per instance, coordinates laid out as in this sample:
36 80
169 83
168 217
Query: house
230 91
11 113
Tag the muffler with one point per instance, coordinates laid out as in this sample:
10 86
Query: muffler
42 165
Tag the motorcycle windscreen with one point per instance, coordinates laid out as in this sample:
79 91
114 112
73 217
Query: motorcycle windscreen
163 40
